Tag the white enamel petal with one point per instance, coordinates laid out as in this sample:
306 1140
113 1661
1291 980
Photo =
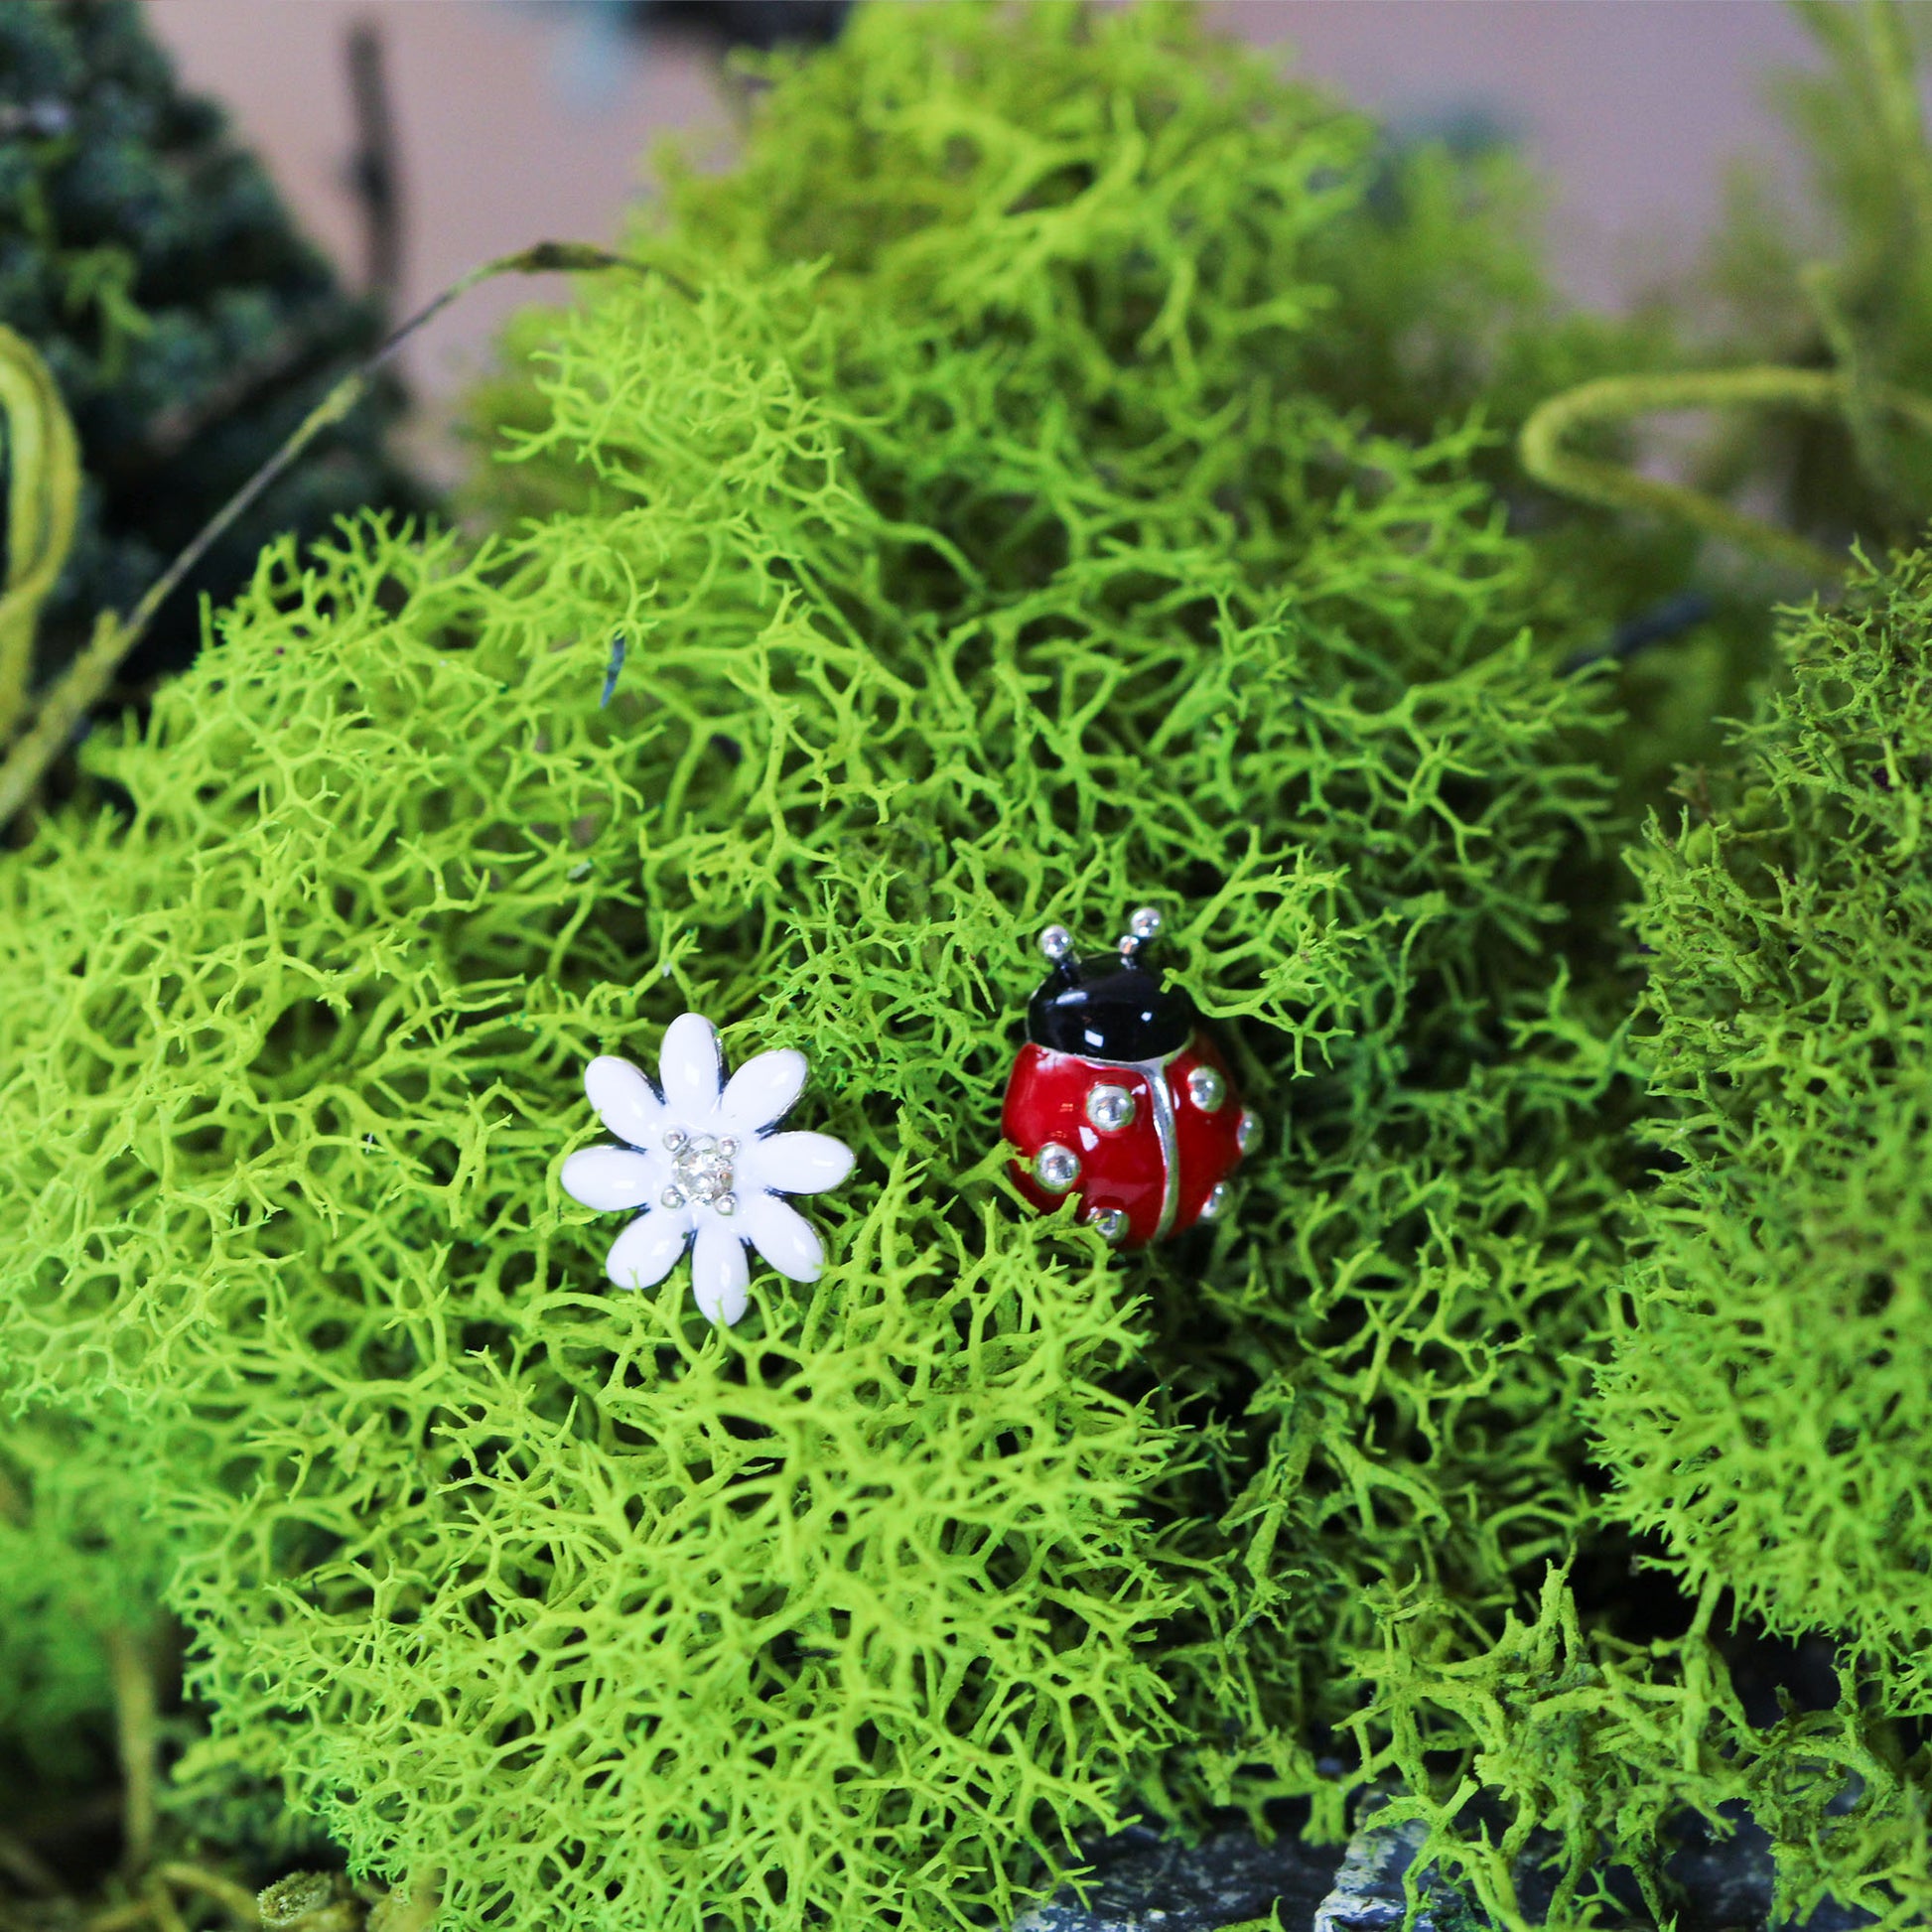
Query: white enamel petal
719 1272
797 1164
783 1237
761 1091
609 1178
690 1067
625 1102
647 1250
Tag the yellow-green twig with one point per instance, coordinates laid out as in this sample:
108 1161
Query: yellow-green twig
1623 399
43 501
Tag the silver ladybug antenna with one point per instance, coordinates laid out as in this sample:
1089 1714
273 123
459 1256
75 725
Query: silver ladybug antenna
1058 944
1142 926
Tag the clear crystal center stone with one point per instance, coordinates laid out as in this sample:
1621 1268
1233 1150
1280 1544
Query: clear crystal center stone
701 1164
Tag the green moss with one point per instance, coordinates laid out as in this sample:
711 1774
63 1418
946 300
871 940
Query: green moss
1009 565
1029 517
480 1543
1767 1404
1578 1758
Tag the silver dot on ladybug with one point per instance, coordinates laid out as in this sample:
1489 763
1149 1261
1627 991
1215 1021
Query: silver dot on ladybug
1110 1108
1057 944
1109 1223
1218 1198
1205 1088
1057 1168
1247 1137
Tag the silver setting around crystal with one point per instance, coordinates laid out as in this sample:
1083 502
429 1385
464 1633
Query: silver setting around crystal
1205 1088
1111 1223
1218 1198
1110 1108
1057 1168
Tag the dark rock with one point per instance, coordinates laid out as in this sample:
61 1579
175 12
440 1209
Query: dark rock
1728 1882
1717 1883
1146 1884
1369 1893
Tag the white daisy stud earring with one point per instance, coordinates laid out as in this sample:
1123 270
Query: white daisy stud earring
700 1158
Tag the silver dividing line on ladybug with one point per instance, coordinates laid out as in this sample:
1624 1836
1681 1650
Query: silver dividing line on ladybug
1121 1097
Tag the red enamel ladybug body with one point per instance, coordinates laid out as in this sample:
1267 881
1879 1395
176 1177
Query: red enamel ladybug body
1120 1096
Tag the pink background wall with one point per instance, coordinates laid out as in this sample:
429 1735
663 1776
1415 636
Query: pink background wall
524 120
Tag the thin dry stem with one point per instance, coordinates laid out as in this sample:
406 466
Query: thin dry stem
117 1918
139 1734
162 1907
26 1865
238 1900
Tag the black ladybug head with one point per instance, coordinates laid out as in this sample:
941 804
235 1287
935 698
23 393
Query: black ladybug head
1109 1006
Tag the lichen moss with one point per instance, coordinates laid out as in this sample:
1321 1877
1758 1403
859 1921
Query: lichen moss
609 1616
1767 1406
1022 574
1010 530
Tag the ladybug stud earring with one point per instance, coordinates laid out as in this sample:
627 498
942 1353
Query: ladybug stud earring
1120 1096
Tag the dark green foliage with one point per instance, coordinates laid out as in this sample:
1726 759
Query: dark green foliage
747 23
190 328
